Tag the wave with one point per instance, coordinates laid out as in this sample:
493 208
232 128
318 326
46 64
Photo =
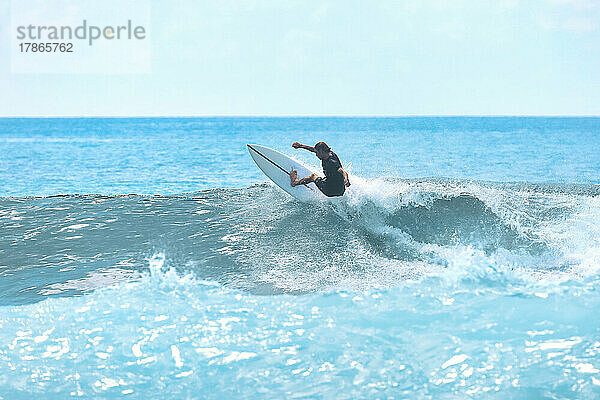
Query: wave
384 231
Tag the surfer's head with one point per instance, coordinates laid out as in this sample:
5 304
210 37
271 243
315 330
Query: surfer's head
322 150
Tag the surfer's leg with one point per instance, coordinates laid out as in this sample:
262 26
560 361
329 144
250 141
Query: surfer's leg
295 181
308 179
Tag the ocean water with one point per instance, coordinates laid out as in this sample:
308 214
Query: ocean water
149 257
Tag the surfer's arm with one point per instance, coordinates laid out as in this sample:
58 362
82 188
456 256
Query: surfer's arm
346 178
297 145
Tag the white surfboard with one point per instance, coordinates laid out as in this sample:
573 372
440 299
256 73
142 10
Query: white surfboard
277 167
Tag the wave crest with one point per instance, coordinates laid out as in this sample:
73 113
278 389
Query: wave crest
384 231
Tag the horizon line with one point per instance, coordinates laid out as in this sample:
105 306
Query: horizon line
310 116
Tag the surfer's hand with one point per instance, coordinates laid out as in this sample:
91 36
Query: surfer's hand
347 183
296 145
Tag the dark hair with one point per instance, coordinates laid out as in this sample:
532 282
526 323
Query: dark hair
322 146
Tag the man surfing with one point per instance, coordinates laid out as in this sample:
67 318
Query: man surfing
336 179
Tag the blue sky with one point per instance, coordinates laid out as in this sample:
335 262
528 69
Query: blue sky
454 57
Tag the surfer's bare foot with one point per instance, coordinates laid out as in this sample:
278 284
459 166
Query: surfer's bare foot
293 177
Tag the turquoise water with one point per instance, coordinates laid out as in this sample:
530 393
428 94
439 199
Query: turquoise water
146 256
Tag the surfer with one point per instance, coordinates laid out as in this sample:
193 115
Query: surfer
336 179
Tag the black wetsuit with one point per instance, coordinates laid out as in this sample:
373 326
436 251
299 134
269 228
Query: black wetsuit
333 183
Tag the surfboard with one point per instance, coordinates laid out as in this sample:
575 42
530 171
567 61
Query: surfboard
277 167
